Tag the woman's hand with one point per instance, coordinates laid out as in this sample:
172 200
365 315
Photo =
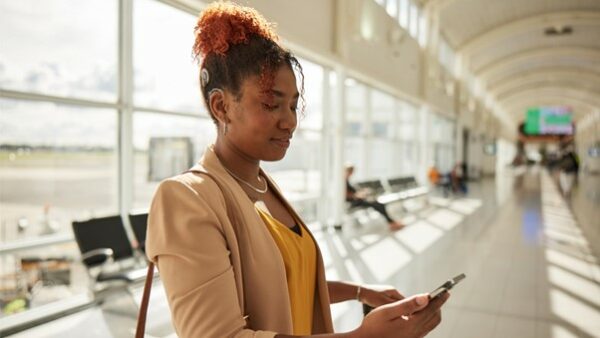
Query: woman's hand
377 295
412 317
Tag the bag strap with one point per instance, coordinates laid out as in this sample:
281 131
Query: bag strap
141 321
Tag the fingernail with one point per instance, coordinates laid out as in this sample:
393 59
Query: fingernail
421 299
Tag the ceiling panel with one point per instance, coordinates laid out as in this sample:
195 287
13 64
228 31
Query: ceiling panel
462 20
578 78
499 72
582 36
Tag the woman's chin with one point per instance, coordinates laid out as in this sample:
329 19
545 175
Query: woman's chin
275 156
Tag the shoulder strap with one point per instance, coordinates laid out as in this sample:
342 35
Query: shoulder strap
141 322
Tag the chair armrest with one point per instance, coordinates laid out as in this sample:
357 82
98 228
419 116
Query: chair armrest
97 256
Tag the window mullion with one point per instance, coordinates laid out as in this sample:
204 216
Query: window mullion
125 143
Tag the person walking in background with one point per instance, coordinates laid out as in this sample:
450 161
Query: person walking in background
569 168
358 197
235 259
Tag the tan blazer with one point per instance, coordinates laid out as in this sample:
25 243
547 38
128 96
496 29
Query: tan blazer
218 261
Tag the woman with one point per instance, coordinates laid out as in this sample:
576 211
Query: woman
234 258
358 197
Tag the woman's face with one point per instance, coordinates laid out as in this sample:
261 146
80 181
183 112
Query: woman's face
262 123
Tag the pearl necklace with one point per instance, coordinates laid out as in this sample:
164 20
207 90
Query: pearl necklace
260 191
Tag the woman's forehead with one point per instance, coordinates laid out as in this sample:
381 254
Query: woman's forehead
283 85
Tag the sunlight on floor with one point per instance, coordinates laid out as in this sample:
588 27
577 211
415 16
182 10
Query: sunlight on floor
445 219
577 286
557 331
575 293
339 246
465 206
419 236
575 312
384 254
352 270
568 262
385 259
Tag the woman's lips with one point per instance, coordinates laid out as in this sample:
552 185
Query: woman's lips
281 142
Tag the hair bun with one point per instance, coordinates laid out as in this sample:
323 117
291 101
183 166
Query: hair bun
223 24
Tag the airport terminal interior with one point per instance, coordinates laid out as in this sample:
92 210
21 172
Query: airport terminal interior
476 123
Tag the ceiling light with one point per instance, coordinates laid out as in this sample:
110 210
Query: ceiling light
558 30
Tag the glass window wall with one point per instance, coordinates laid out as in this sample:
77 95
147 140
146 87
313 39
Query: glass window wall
59 166
356 119
414 21
391 8
53 177
165 74
55 48
443 141
406 129
404 15
165 145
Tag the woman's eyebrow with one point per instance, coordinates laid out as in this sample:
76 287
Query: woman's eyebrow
279 93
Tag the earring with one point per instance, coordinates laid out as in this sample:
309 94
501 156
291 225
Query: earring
225 129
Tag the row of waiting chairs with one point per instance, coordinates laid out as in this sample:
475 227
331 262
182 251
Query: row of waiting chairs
104 244
394 189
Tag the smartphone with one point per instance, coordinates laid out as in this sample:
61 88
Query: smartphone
446 286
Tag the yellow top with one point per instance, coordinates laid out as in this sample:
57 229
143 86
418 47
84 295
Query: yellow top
300 258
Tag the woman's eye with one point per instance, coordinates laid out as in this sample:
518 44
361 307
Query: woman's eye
270 107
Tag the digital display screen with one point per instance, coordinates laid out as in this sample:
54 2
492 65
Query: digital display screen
549 121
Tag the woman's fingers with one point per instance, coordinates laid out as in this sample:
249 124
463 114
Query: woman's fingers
413 317
440 300
394 294
434 307
433 321
406 306
430 317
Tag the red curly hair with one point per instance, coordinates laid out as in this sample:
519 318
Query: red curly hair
235 42
223 24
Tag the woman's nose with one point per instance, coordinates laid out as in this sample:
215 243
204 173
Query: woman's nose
289 120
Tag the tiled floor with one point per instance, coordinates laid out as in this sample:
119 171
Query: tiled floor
530 271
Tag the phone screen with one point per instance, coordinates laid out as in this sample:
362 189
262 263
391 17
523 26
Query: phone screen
446 286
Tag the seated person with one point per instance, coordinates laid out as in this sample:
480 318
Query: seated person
433 175
359 198
458 179
438 179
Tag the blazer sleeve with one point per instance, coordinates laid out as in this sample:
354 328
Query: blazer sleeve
186 240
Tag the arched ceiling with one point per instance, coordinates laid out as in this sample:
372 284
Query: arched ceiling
544 94
519 104
564 76
504 45
531 58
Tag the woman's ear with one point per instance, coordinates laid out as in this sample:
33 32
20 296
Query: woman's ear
218 105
